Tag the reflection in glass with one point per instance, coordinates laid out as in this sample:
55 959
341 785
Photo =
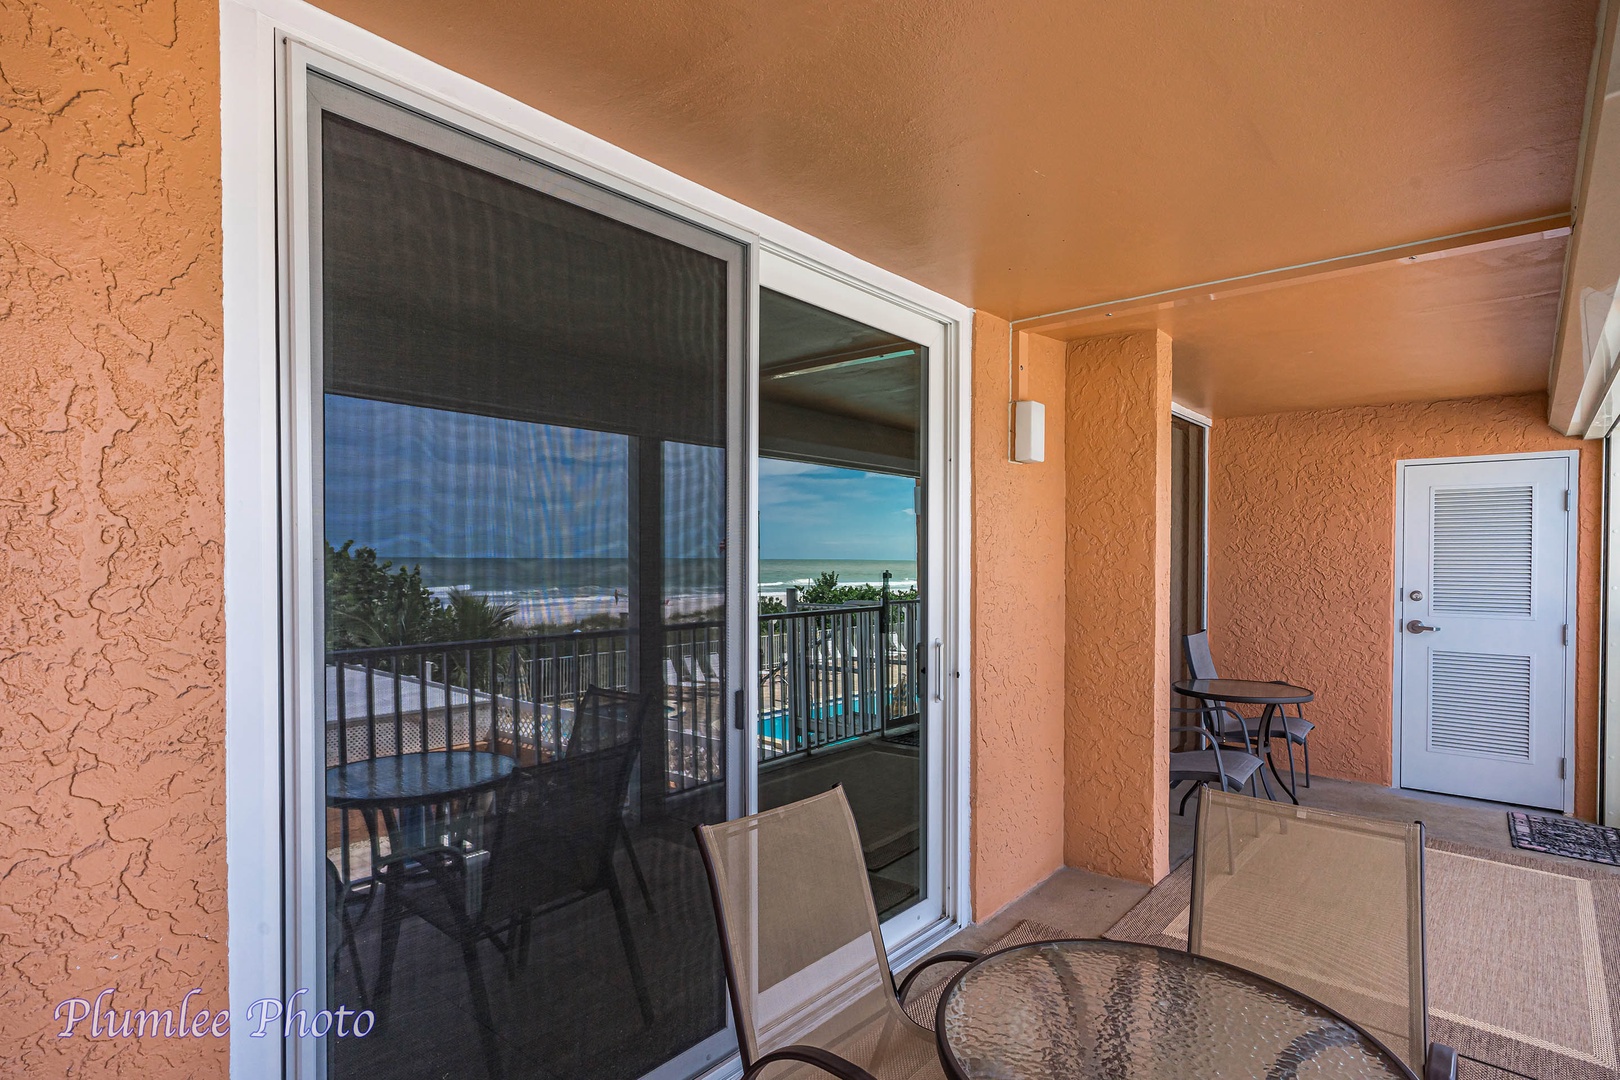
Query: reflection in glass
524 499
842 661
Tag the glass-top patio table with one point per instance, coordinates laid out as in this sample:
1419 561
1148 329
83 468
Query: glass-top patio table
1273 695
405 789
415 779
1057 1010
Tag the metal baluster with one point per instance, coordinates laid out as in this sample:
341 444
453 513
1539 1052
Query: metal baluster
556 702
449 716
399 711
342 714
371 712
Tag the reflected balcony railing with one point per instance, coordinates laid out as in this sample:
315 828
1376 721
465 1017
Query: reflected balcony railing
827 676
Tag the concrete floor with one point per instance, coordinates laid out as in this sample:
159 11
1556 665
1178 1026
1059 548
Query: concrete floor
1085 905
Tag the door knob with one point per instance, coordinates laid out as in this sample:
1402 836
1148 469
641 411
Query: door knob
1416 627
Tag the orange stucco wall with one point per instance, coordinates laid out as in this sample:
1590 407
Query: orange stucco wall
1117 744
1018 642
112 798
1302 559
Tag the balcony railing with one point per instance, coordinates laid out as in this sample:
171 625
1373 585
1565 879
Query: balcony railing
827 676
833 674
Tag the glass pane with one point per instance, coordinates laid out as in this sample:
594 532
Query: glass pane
841 525
524 485
1186 538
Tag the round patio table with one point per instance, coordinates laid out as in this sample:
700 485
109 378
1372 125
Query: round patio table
403 789
1273 695
414 779
1059 1010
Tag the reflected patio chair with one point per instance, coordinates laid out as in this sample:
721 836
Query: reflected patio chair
340 931
1213 762
1294 728
550 840
1328 904
604 718
809 978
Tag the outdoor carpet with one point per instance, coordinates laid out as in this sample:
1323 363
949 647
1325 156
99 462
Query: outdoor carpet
1523 958
1564 836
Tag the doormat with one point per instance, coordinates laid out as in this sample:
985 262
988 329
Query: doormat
1565 836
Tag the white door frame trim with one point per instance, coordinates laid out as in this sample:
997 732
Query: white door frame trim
253 34
1571 599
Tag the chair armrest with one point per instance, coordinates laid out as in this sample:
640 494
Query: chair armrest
959 955
825 1060
1442 1063
1198 729
1220 706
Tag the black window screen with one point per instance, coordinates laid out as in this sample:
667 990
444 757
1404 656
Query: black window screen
524 503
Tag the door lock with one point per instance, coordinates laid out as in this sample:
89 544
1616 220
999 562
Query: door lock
1416 627
1415 594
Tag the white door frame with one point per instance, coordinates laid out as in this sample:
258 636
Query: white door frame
254 50
807 283
1571 598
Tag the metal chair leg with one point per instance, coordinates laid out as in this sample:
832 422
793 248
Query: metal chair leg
628 940
1306 746
635 868
481 1011
393 914
1196 784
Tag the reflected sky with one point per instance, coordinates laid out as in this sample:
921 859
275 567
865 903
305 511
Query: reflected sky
430 483
821 512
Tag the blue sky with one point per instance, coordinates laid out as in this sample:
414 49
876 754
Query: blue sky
429 483
819 512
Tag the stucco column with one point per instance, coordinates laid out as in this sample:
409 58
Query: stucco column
1117 656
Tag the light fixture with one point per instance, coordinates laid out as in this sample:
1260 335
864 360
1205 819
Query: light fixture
1029 431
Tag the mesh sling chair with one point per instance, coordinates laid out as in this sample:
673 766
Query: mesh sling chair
604 718
810 983
549 843
1294 729
1328 904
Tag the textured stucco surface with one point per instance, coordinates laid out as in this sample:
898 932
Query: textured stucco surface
112 855
1116 745
1302 559
1018 644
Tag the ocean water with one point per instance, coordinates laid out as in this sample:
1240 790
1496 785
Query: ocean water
776 575
560 592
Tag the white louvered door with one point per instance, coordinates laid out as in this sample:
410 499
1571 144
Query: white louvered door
1484 622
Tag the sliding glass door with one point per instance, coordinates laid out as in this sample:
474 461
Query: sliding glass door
567 572
519 608
849 595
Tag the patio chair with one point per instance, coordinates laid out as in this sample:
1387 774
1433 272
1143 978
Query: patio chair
805 963
1213 762
1328 904
605 718
550 843
340 931
1294 728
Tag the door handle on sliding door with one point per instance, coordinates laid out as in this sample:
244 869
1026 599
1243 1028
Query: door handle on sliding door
939 670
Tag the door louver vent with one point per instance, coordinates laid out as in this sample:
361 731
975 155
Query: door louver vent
1479 703
1482 551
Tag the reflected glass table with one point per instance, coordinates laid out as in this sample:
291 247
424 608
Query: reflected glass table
1058 1010
410 792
